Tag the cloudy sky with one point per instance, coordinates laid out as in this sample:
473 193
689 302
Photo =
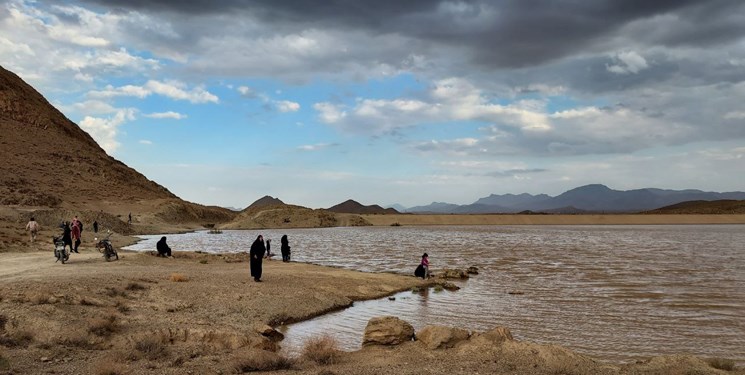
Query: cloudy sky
408 102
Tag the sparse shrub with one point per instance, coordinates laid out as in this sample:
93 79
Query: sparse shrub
88 302
721 364
260 360
438 288
40 298
3 322
122 307
135 286
17 338
203 261
79 339
114 292
108 367
178 277
151 346
104 327
321 350
4 363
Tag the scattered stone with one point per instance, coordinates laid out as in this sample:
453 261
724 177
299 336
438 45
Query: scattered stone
473 270
45 359
387 330
453 274
497 335
441 337
516 292
391 298
449 286
269 332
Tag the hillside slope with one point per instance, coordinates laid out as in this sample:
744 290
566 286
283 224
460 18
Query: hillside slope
50 162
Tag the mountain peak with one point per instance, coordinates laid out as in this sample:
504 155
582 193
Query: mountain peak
265 201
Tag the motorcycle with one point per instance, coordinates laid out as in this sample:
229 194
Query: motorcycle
60 252
104 246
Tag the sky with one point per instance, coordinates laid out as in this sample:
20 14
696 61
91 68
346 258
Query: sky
383 102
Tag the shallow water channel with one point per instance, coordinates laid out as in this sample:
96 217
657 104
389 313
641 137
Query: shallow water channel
617 293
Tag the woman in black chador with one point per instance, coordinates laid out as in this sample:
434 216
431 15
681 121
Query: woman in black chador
257 255
285 248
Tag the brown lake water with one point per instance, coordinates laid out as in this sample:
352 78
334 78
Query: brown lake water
617 293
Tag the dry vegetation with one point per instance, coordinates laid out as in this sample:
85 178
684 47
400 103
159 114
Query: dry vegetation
321 350
260 360
178 277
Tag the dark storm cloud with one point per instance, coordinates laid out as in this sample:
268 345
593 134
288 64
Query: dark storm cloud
494 34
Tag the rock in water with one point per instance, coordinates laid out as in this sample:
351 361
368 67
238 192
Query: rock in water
387 330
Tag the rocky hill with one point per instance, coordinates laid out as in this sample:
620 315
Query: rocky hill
50 162
352 207
265 201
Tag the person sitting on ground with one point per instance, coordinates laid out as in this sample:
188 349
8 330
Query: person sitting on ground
423 269
162 247
67 235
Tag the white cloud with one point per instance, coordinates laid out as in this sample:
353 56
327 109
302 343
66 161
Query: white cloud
246 91
628 62
166 115
145 142
735 115
316 147
287 106
105 130
451 99
94 107
171 89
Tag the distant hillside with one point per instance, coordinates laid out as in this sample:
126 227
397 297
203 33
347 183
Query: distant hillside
264 202
584 199
352 207
49 161
703 207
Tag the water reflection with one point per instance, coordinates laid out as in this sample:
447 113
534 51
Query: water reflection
614 292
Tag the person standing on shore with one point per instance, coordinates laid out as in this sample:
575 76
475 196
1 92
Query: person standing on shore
269 248
130 219
257 255
33 228
95 226
285 248
67 234
75 233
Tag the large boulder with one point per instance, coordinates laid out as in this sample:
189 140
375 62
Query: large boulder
441 337
387 330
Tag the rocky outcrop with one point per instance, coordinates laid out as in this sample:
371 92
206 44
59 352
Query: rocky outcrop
473 270
441 337
269 332
452 274
387 330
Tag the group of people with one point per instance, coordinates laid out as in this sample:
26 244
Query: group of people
260 250
72 232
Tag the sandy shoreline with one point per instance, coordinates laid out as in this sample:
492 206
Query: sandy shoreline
208 322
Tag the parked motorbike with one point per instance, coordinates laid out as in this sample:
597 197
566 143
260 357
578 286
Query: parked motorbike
104 246
60 252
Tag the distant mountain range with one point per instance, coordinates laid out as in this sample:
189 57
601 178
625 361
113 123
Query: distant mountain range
584 199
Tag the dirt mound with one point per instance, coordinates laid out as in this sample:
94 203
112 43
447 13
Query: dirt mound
718 207
353 207
290 216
